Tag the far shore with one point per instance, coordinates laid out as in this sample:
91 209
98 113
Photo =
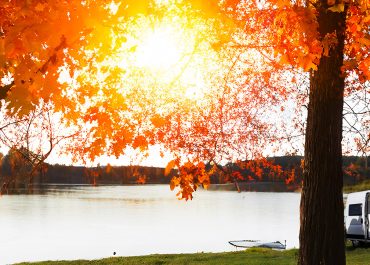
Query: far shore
252 186
263 186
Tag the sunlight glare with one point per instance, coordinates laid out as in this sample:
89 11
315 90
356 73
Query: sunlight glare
159 50
168 58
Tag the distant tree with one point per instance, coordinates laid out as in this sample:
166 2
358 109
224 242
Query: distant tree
16 170
31 140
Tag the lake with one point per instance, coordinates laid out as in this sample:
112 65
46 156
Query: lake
85 222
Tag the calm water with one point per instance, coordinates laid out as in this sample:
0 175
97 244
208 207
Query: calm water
84 222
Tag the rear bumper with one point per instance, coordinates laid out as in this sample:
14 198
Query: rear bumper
355 237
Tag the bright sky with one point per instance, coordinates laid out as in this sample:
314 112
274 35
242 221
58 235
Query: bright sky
165 49
131 157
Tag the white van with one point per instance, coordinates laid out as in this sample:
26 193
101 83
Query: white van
356 217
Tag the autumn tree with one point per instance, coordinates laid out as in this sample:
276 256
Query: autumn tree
316 36
219 91
31 139
330 41
15 169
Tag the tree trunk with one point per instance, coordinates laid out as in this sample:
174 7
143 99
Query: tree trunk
322 230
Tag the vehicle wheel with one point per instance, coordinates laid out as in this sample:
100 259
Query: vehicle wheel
355 243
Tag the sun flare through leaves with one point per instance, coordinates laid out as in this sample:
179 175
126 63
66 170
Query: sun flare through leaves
160 49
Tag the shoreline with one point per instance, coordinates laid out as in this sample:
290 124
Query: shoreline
254 256
254 187
242 186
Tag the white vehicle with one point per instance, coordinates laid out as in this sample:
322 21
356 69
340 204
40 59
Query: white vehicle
356 217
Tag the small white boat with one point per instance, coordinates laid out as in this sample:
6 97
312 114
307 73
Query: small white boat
257 243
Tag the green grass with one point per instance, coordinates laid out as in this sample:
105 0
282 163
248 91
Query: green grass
254 256
364 185
249 257
358 256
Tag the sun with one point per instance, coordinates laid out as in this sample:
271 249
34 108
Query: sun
161 48
169 58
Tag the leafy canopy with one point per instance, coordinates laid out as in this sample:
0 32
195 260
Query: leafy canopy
205 79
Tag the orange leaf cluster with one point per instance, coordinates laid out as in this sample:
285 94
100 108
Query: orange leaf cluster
358 41
189 178
297 38
38 37
141 180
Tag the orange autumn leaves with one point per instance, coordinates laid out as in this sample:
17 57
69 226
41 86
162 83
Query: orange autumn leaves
41 39
41 36
296 37
287 31
189 178
358 40
37 38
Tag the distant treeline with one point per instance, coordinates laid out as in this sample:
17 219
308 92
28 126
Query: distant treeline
291 167
286 170
105 175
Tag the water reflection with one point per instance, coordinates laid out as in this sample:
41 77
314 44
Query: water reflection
84 222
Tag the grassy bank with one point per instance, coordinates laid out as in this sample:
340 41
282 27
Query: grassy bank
360 256
364 185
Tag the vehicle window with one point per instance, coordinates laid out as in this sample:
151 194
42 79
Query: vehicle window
355 209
